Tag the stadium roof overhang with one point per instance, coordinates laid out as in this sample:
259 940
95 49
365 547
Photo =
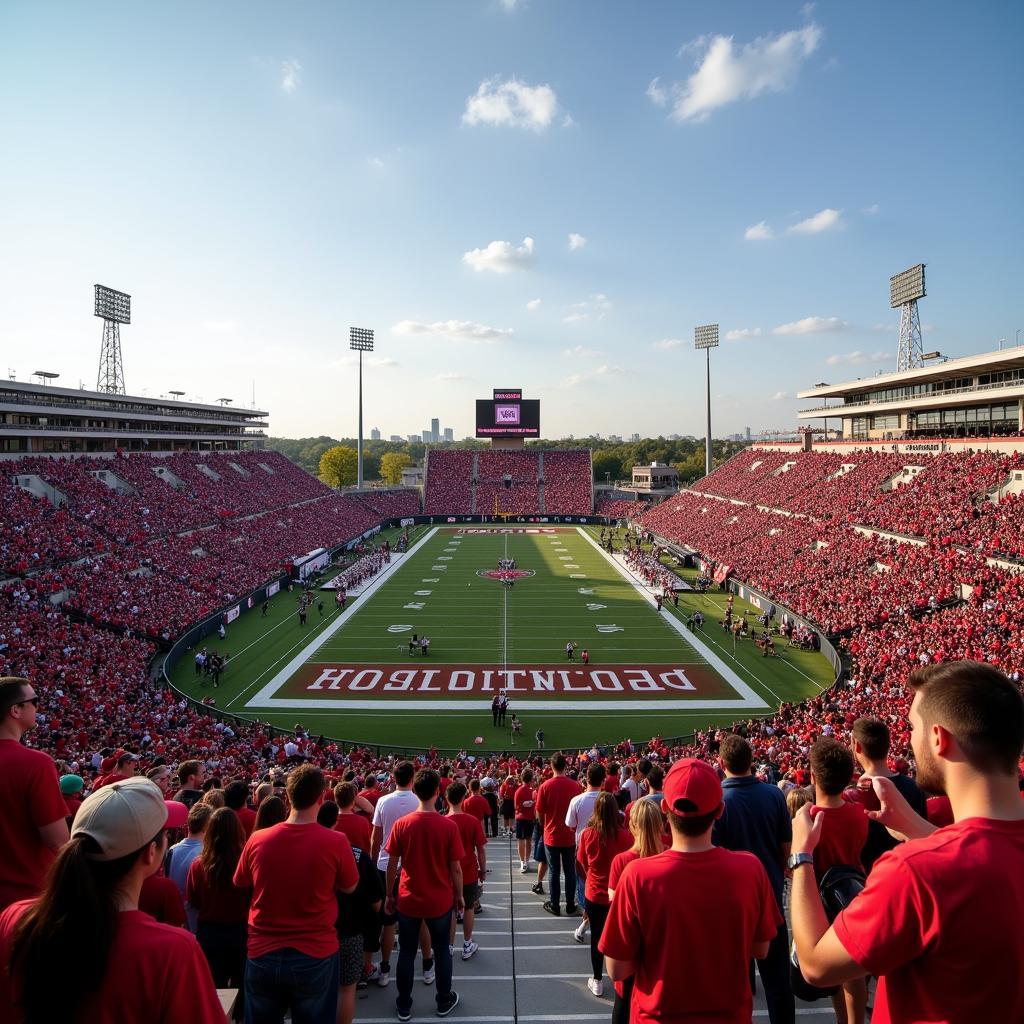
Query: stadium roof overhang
985 362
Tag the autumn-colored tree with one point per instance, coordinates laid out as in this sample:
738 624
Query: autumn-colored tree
339 466
391 466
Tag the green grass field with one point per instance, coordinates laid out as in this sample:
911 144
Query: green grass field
352 677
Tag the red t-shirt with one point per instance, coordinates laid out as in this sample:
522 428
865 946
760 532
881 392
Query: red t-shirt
477 806
295 872
689 921
525 801
214 904
30 798
247 817
426 843
843 835
553 799
940 923
471 833
940 811
160 899
619 862
357 828
372 795
154 972
596 859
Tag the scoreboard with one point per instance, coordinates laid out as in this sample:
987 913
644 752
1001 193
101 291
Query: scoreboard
507 414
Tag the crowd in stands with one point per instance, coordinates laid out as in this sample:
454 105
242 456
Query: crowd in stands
508 482
392 504
448 487
618 508
568 488
894 607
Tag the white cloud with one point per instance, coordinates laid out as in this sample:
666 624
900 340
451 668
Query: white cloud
291 75
576 241
454 330
454 376
758 232
601 371
823 220
511 103
501 257
656 93
857 358
593 308
533 305
871 210
742 333
779 396
727 73
511 5
812 325
807 10
580 350
667 344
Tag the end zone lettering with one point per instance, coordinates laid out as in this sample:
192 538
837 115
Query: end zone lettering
546 680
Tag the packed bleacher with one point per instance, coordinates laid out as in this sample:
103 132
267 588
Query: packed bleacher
568 490
892 606
497 482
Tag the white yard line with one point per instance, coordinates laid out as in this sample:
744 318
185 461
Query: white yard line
306 653
751 699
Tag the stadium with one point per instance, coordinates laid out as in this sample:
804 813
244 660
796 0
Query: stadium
525 727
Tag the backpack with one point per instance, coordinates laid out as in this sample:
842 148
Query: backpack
838 888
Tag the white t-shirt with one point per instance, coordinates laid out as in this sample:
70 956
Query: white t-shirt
388 810
580 809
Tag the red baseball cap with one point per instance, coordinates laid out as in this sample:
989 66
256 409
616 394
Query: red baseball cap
692 788
177 814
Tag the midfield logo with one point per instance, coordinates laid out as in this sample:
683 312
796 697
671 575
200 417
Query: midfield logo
505 574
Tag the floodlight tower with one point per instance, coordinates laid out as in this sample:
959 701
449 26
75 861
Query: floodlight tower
706 338
114 308
904 291
360 339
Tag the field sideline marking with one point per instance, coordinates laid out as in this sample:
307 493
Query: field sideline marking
263 699
303 656
751 699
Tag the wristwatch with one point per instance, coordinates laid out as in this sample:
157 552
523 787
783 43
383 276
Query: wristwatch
796 859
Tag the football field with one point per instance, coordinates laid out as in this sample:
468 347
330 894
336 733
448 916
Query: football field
353 675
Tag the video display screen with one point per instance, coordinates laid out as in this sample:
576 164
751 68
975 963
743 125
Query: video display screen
507 414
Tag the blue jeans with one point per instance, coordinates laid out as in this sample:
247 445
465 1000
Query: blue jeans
287 979
538 842
408 943
563 857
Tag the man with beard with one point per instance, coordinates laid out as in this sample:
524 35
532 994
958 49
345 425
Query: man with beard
939 919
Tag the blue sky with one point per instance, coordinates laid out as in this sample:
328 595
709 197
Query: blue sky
260 176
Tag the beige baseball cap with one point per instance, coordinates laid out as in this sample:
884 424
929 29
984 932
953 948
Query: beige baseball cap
124 816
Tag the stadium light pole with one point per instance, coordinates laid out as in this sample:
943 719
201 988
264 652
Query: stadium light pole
360 339
706 337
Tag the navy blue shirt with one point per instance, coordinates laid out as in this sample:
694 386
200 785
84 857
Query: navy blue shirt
756 820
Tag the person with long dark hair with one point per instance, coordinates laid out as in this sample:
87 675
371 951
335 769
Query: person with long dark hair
604 838
222 908
131 967
272 811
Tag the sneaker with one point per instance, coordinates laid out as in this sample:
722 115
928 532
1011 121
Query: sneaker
453 1001
451 950
552 909
596 986
525 869
468 949
429 974
580 935
573 911
405 1014
373 974
383 975
478 909
538 889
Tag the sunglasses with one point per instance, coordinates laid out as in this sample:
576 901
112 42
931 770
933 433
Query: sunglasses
34 701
